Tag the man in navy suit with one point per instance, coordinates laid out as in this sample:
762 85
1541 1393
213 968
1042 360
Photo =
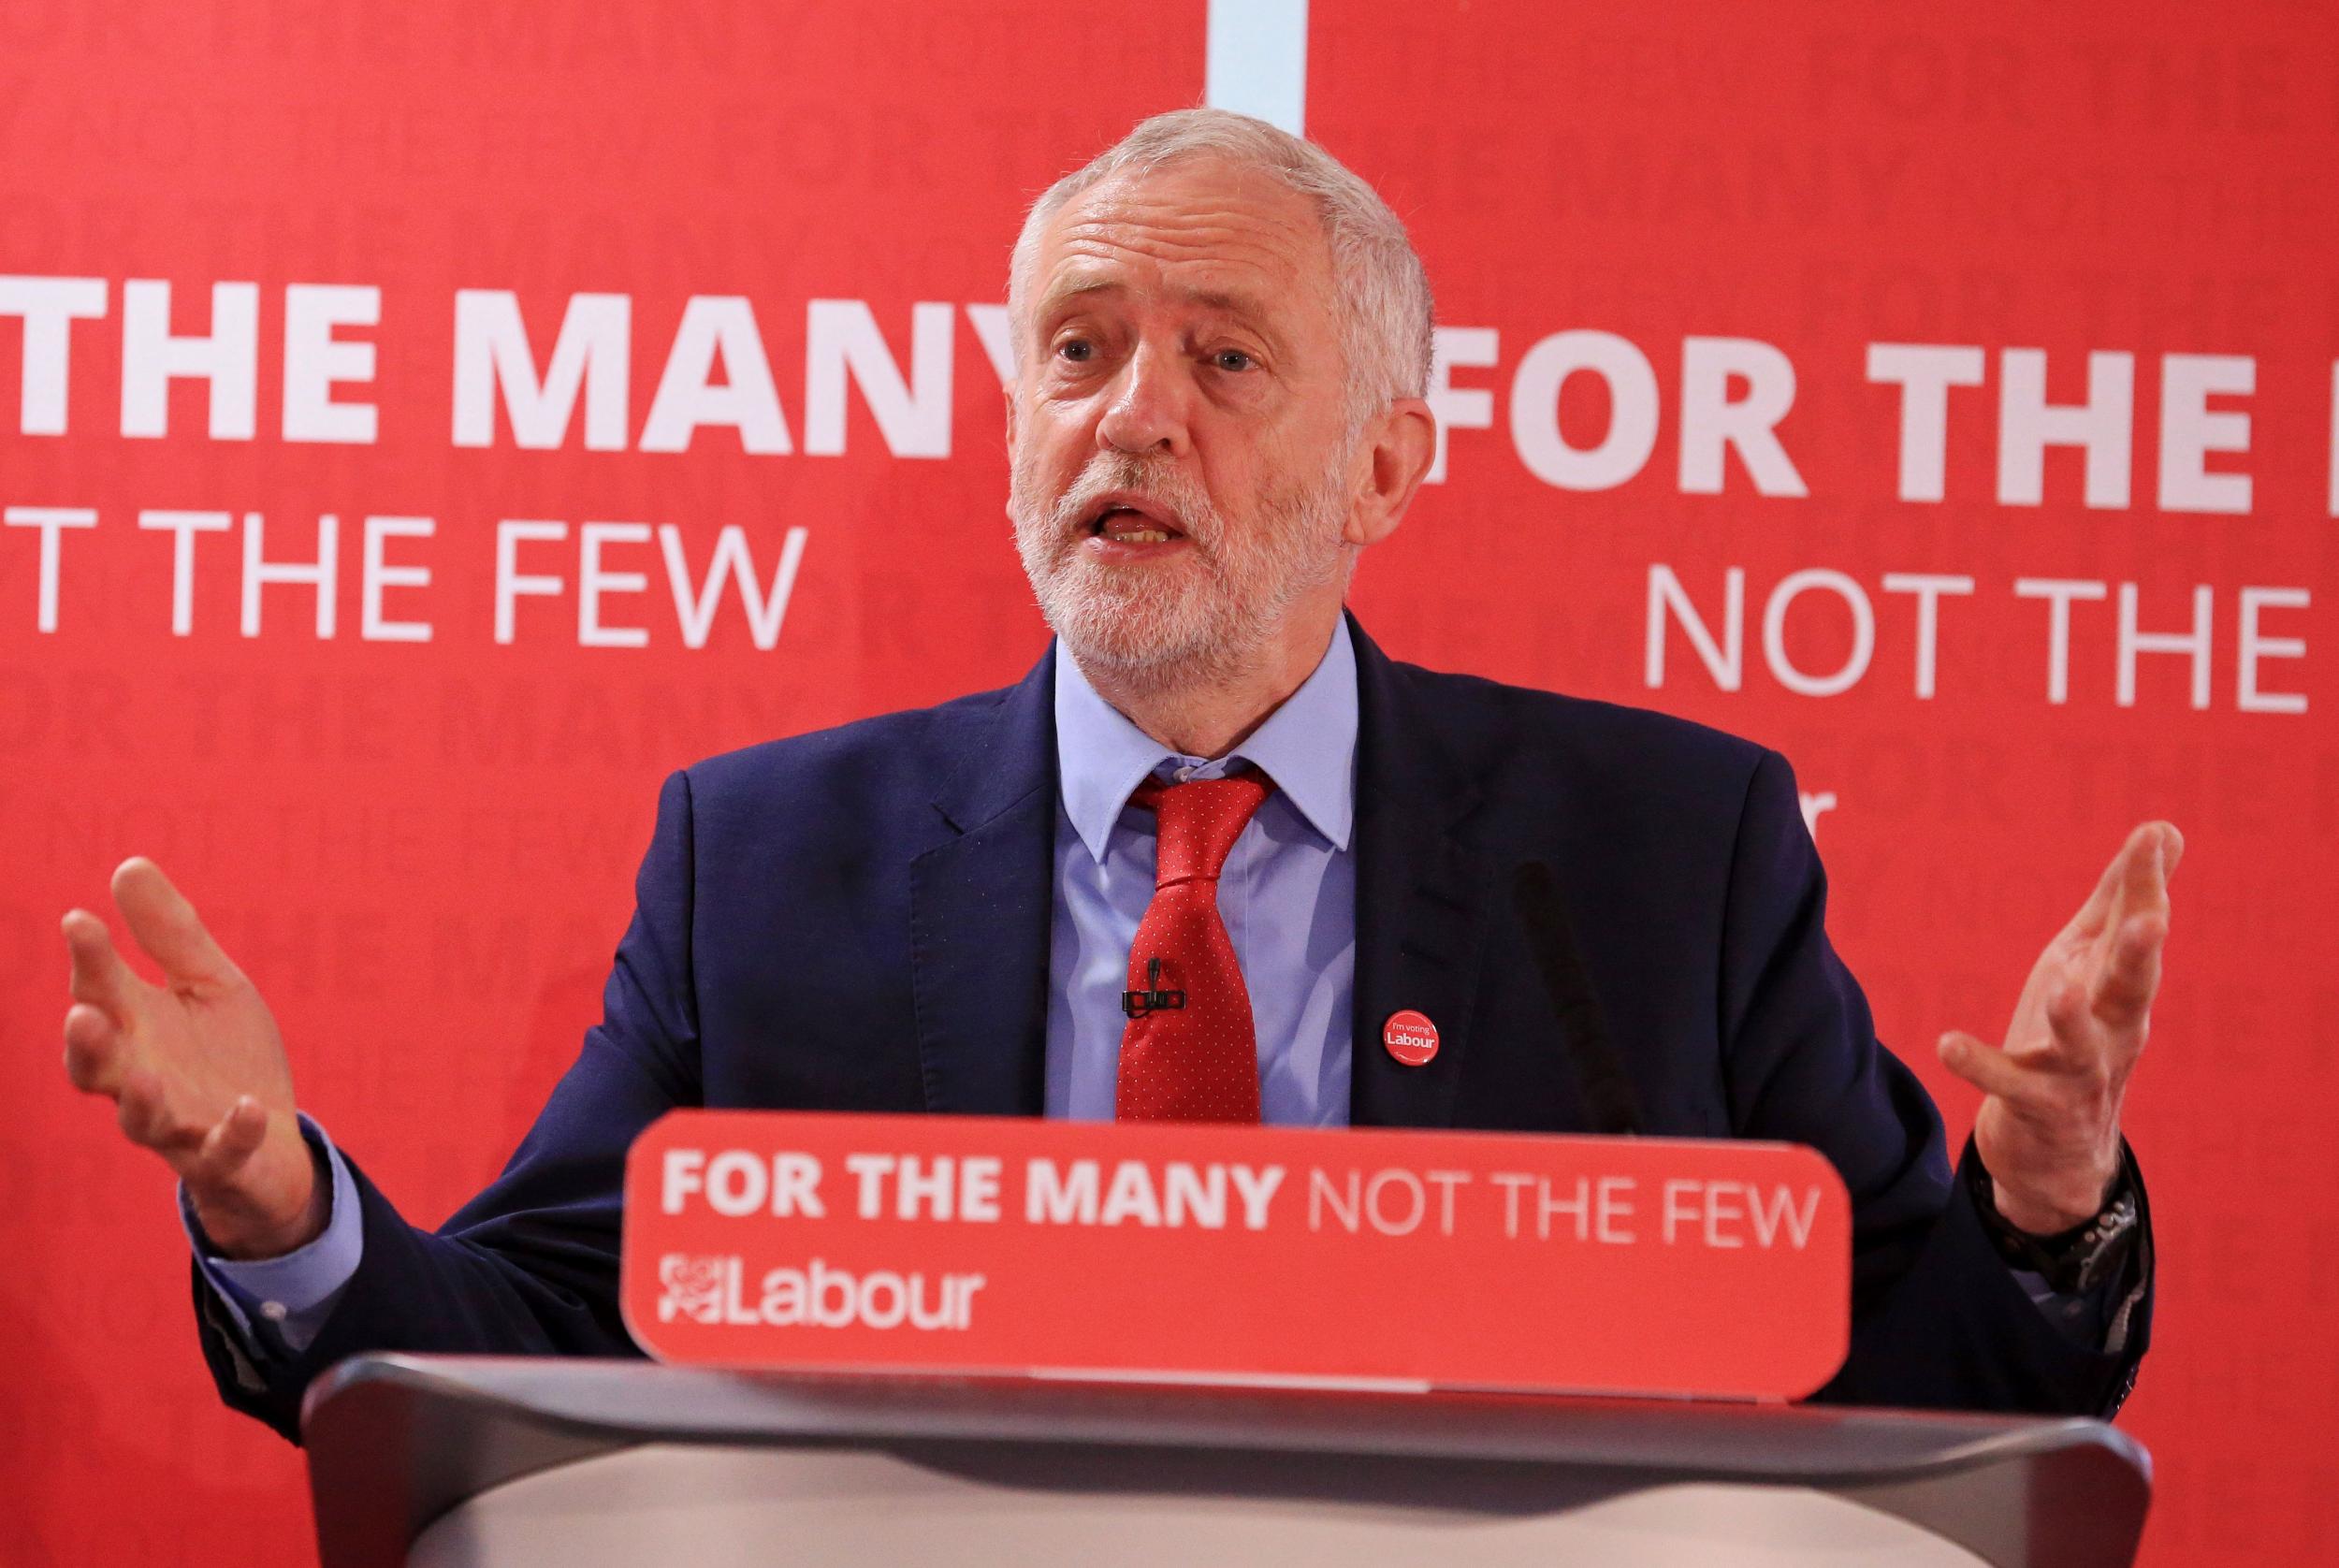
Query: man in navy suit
1613 918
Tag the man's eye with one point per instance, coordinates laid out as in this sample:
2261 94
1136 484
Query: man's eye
1232 360
1078 350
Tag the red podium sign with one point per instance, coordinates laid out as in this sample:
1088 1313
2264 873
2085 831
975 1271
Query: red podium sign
1388 1258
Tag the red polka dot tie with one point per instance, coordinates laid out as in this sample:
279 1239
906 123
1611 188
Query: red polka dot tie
1189 1051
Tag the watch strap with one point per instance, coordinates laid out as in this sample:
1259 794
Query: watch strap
2073 1260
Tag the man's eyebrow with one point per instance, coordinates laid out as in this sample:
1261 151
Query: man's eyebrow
1233 303
1065 293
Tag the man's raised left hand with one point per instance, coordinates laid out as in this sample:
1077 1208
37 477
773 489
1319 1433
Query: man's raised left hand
2049 1130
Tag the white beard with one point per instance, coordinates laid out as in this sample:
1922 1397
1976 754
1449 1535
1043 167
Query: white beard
1206 619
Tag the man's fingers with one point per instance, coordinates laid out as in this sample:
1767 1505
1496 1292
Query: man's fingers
230 1143
2137 879
2171 848
2125 988
2099 906
95 1050
2067 1014
138 1108
99 978
2144 863
1984 1065
94 1046
167 925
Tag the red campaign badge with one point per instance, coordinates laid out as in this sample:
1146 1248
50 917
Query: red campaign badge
1411 1038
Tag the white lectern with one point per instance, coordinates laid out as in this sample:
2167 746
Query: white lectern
479 1462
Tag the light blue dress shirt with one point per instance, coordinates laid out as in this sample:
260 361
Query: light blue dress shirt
1287 894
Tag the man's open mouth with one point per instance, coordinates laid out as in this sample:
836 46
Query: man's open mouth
1128 520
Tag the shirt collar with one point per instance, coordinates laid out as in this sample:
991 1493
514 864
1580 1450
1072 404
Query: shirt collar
1308 746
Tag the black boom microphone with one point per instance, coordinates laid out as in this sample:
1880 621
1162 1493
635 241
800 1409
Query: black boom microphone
1535 895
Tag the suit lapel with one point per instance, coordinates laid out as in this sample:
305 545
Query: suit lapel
979 907
1422 901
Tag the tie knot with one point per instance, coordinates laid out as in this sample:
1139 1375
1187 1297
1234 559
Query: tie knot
1198 823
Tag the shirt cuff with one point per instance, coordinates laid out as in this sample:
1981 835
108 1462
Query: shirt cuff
280 1303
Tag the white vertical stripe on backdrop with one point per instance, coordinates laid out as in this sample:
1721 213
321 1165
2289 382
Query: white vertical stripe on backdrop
1258 56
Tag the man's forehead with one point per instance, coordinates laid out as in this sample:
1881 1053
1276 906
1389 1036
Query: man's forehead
1206 234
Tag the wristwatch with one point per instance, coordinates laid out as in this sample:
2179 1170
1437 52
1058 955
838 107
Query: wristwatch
2074 1260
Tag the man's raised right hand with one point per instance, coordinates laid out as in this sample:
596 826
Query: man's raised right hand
194 1066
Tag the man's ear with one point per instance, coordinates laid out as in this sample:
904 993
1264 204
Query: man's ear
1395 454
1008 389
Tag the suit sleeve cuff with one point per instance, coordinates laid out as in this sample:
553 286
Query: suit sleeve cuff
2099 1317
278 1304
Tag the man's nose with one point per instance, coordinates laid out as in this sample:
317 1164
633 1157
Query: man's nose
1148 408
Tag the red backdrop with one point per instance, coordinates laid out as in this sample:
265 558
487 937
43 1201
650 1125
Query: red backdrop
421 849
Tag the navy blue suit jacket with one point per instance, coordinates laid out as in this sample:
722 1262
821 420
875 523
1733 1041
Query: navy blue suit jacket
858 919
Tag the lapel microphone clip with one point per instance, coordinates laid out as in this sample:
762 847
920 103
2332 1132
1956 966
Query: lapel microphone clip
1137 1004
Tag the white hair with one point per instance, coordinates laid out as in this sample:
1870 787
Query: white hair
1383 294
